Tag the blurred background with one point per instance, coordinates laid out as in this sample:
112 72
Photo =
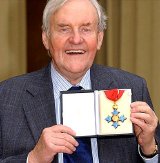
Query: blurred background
132 39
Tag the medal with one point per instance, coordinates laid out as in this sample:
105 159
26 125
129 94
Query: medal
114 95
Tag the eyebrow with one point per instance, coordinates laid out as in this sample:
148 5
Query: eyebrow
86 24
64 25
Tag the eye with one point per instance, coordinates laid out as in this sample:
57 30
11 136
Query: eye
86 29
65 29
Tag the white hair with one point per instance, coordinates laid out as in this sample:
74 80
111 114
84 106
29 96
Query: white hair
53 5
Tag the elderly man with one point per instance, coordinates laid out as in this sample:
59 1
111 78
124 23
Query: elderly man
30 129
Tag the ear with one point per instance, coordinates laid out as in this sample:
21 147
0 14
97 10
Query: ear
100 40
45 40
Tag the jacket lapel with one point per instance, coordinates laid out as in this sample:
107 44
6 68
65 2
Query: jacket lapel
102 80
38 103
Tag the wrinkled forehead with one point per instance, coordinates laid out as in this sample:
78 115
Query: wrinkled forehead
82 9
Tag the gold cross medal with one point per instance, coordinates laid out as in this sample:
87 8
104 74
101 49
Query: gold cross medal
114 95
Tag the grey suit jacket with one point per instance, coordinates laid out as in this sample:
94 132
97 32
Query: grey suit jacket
27 107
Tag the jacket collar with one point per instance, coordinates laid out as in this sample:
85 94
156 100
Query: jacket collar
39 101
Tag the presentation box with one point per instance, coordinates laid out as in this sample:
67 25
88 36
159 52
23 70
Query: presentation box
99 112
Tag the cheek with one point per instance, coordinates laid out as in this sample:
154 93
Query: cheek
92 45
56 45
93 41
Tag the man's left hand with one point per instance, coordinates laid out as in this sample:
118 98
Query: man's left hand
145 122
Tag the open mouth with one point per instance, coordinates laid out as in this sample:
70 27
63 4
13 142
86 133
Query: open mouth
75 52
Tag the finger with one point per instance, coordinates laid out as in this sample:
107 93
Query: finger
137 129
66 137
150 119
142 116
50 134
62 149
50 144
139 123
146 127
144 112
138 103
63 129
64 143
55 146
142 107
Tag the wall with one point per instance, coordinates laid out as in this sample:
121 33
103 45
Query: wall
12 38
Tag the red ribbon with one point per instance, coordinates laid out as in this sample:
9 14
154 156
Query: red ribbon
114 94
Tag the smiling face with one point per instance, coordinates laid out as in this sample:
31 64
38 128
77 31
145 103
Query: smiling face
74 39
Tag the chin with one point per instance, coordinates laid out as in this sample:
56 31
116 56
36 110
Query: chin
78 69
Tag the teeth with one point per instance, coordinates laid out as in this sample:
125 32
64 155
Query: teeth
75 51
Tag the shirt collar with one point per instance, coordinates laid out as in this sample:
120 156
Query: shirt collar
61 84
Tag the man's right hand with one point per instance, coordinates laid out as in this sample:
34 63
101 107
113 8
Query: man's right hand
53 140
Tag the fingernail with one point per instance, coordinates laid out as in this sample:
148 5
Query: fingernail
77 144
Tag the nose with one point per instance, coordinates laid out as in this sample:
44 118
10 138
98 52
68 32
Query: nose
76 38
